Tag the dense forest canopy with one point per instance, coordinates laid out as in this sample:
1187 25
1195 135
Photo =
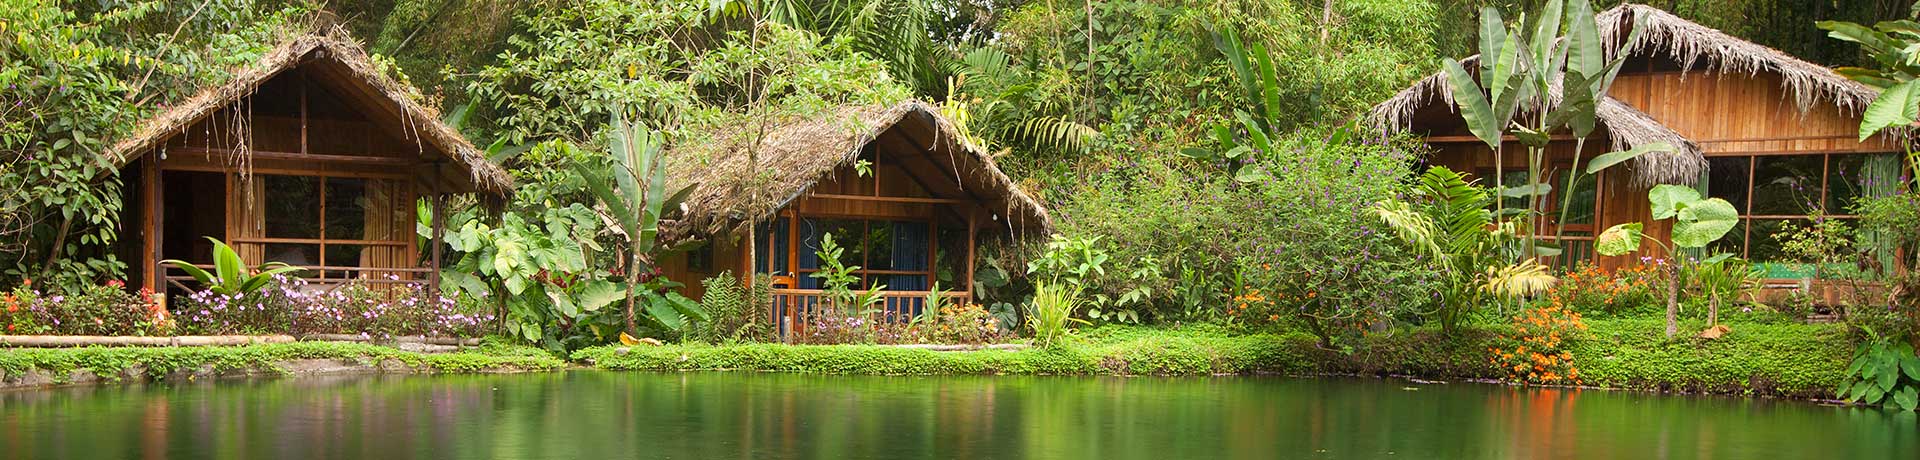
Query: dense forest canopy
1103 109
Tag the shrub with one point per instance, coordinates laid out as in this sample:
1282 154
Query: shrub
292 306
960 323
1052 313
1540 357
103 309
735 313
1595 292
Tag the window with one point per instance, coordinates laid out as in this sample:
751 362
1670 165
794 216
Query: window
1777 194
341 223
894 254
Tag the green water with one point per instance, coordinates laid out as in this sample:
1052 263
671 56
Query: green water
599 415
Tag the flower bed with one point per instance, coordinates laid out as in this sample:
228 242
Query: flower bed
105 309
285 306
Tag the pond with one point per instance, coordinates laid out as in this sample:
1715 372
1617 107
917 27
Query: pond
604 415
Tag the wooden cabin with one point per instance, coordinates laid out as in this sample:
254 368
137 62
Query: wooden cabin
311 157
897 187
1772 134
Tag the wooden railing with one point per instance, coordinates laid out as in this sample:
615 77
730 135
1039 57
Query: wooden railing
315 275
792 308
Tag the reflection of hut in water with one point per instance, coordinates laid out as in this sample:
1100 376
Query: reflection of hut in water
310 157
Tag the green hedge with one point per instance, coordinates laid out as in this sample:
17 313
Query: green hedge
1797 360
1805 360
158 362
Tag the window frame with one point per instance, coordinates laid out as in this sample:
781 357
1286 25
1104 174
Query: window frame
403 237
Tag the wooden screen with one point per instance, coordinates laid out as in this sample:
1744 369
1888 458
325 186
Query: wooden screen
338 227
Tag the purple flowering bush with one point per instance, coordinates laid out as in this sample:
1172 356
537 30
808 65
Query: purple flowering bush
100 309
293 306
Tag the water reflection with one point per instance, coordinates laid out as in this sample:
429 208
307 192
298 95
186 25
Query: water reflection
745 415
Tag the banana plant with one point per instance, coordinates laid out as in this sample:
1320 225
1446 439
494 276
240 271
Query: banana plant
1563 54
634 194
231 275
1454 228
1697 222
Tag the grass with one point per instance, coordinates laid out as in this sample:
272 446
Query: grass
158 362
1794 360
1756 359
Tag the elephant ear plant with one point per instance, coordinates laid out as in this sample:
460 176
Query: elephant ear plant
230 275
1697 222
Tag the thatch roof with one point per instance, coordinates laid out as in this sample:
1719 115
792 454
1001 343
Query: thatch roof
799 153
1690 43
469 168
1683 41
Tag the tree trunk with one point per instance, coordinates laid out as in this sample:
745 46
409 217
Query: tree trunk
1673 299
1713 310
633 281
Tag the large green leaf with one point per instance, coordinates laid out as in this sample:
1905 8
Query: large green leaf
1546 27
1898 106
1702 222
1493 34
596 294
1507 83
1523 191
563 302
1586 65
1473 105
1619 240
227 266
199 275
1609 159
663 311
1578 105
509 254
1907 399
1668 199
1874 41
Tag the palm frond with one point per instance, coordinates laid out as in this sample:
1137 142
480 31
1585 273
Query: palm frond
1522 279
1056 133
1412 225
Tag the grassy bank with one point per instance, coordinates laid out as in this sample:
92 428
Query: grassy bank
1795 360
113 364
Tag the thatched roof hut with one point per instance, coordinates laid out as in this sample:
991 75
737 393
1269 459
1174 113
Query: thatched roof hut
332 53
1695 48
798 153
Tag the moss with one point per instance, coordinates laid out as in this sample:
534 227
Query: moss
1799 360
111 363
1805 360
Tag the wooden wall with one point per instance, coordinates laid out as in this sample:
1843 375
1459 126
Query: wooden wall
300 122
1723 114
1742 114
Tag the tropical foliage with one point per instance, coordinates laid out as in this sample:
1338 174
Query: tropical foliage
1697 222
1455 230
231 275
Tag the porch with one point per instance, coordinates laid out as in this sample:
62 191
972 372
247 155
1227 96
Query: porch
793 308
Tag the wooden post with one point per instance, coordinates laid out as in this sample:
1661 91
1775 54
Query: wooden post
150 220
439 233
972 232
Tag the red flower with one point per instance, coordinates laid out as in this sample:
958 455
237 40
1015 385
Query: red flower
116 284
